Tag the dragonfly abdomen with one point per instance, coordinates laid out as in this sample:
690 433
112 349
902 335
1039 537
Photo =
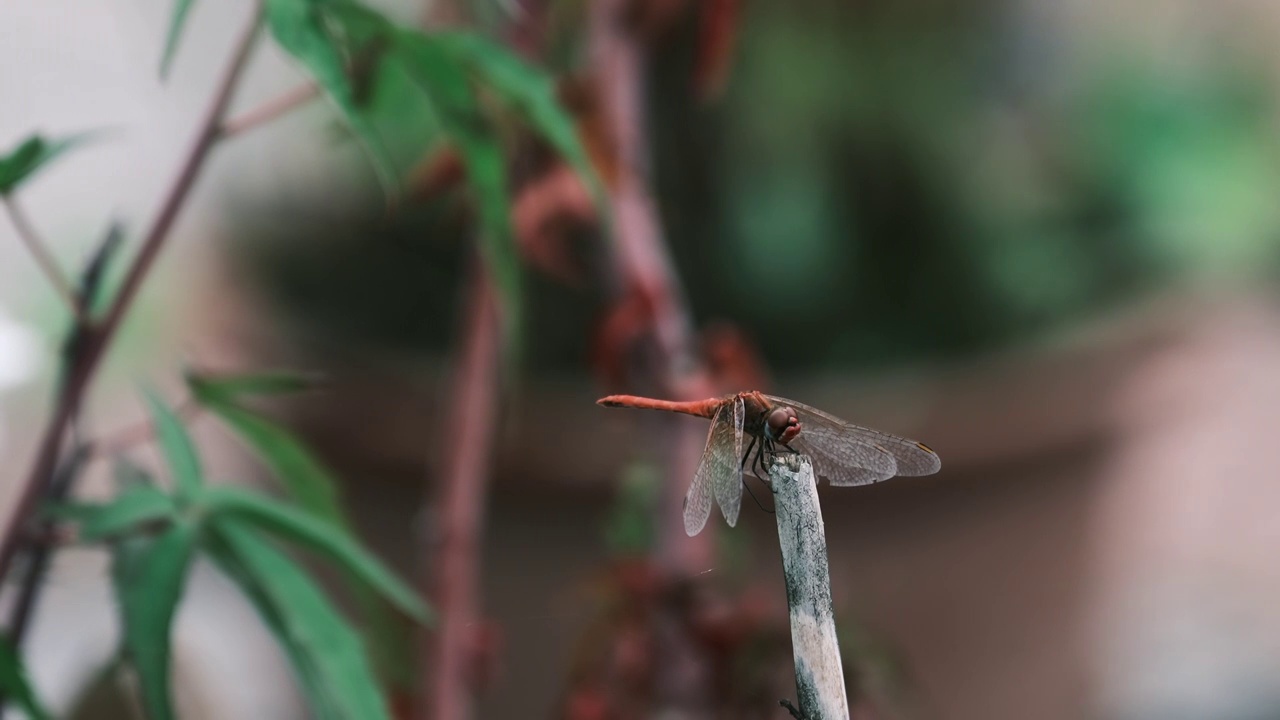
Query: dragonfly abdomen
698 408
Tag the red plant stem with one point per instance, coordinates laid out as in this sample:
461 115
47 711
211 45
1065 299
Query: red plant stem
91 339
641 261
450 648
270 110
41 555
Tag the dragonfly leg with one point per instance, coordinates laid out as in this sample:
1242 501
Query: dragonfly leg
753 495
766 448
747 454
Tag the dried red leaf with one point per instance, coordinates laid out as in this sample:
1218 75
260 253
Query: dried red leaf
715 623
435 175
732 359
401 706
639 579
486 652
718 26
633 655
588 703
545 212
625 323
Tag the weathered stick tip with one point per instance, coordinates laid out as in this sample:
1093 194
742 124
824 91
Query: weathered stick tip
787 461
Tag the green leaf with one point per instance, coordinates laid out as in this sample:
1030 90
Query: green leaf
444 80
14 683
177 447
531 92
329 658
126 474
180 10
324 36
225 388
93 277
308 675
310 484
308 481
320 536
149 575
32 154
629 529
135 506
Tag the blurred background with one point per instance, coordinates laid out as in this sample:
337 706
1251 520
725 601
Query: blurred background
1042 237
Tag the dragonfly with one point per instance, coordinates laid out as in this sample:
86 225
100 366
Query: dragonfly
841 452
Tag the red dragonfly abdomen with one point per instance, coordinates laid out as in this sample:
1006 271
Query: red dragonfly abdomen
698 408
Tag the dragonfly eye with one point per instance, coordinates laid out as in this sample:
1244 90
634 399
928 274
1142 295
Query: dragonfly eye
783 425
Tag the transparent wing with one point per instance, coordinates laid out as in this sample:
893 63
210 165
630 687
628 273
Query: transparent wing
838 442
718 460
727 473
697 502
840 468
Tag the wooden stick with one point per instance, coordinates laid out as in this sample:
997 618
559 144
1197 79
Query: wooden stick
819 672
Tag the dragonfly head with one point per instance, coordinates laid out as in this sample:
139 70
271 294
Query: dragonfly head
782 425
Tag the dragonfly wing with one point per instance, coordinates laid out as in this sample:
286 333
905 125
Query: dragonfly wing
716 457
727 472
914 458
697 504
911 458
840 468
845 454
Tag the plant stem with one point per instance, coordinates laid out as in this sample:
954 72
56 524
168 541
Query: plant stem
642 265
41 554
819 673
269 110
449 648
89 340
44 258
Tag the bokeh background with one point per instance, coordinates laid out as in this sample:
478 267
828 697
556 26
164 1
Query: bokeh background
1042 237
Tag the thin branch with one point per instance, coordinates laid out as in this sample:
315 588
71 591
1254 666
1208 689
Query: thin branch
449 648
641 260
270 110
820 687
89 340
40 251
41 556
642 264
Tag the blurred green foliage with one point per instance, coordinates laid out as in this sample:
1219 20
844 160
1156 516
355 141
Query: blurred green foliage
155 535
882 185
887 185
14 684
629 530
